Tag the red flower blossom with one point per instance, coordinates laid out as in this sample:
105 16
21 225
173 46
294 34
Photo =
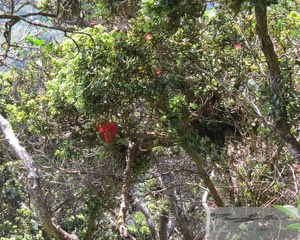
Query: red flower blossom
237 46
148 36
158 71
108 131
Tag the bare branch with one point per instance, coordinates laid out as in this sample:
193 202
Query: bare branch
204 175
133 147
33 185
163 225
148 216
13 18
280 116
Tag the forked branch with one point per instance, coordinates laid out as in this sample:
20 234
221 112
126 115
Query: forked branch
33 185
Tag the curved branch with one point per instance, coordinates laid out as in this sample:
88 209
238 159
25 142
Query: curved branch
148 216
33 185
203 174
276 83
14 19
180 219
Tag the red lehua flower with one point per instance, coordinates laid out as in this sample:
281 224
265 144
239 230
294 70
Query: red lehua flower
108 131
237 46
148 36
158 71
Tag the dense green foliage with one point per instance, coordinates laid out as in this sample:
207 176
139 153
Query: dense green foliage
178 79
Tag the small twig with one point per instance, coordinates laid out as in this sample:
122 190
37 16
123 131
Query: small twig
295 179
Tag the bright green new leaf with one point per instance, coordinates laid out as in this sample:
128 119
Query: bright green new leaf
289 210
35 41
49 47
294 15
294 226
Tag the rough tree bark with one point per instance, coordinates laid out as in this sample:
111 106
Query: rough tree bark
281 123
133 147
91 226
203 174
182 222
165 227
33 185
149 218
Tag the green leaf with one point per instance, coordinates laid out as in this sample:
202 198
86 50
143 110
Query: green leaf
294 15
35 41
294 226
289 210
122 141
49 47
211 14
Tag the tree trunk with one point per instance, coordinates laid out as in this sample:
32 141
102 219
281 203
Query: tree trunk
203 174
132 150
91 225
163 225
33 185
149 218
281 126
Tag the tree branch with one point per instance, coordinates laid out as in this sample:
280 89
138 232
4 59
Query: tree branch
33 185
181 219
13 18
148 216
163 225
276 82
125 194
203 174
